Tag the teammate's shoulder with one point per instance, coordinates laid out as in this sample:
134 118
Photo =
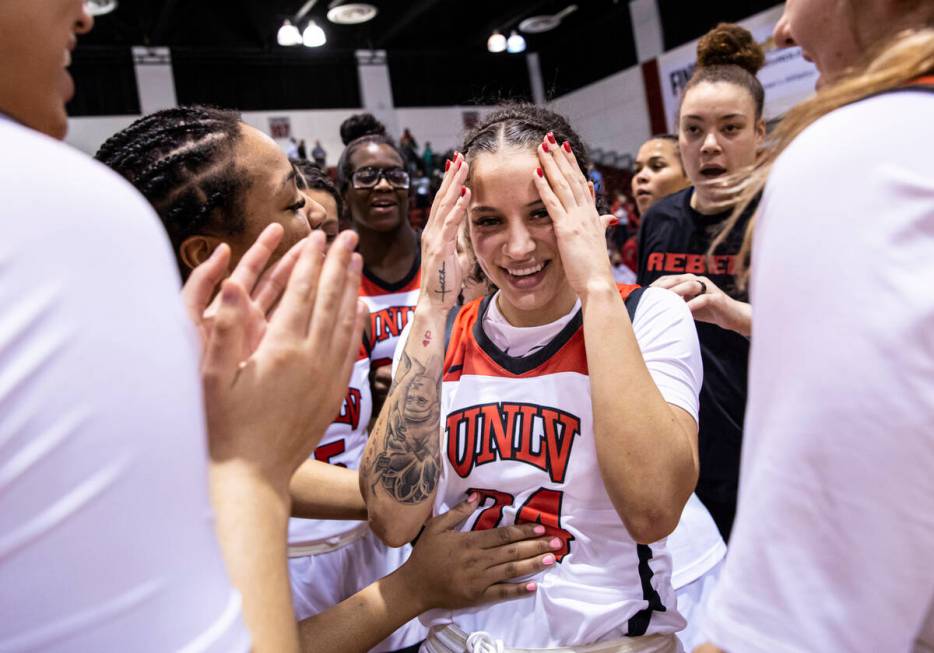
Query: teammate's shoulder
658 301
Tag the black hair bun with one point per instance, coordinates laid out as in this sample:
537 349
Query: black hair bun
361 124
729 44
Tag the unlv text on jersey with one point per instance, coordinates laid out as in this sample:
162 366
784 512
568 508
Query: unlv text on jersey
528 433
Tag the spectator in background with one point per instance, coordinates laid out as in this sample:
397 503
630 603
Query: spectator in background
302 150
291 150
319 155
596 177
428 159
409 148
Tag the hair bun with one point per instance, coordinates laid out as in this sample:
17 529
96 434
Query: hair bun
729 44
361 124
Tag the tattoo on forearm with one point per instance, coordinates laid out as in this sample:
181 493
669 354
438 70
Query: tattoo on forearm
406 464
442 281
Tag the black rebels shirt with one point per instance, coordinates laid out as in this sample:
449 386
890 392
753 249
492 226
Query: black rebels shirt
674 239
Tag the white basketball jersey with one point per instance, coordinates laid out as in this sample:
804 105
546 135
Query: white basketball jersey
391 306
343 444
520 432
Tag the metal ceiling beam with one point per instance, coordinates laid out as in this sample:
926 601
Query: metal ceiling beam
416 10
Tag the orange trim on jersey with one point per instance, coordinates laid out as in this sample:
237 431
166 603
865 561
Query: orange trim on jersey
371 288
465 356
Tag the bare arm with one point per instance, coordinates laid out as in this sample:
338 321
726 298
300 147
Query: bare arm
447 569
259 417
323 491
646 448
401 465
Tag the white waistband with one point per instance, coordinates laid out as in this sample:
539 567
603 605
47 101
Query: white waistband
329 544
451 639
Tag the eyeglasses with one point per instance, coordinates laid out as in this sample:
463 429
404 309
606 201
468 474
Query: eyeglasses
368 177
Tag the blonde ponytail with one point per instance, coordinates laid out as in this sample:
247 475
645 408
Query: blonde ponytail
907 57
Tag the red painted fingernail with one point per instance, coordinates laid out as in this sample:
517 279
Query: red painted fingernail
555 543
531 587
539 530
539 172
567 147
551 138
463 190
447 165
545 146
614 222
456 154
548 560
459 164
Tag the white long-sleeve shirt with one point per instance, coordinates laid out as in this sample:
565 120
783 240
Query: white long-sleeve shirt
106 531
833 547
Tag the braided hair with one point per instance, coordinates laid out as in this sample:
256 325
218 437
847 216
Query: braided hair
180 159
360 129
522 125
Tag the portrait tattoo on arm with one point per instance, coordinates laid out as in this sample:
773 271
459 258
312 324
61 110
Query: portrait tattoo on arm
406 463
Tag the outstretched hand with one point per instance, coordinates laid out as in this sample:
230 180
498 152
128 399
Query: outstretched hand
271 408
451 569
264 288
708 303
441 272
579 228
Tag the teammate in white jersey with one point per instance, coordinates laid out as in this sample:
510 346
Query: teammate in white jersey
530 415
332 559
372 178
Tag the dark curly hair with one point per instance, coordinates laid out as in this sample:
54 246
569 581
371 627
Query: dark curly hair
311 176
360 129
181 161
729 53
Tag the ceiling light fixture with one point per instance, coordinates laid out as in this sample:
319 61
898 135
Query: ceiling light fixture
289 35
313 36
99 7
515 43
351 13
496 42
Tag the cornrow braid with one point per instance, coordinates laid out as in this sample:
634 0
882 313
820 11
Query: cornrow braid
522 125
180 159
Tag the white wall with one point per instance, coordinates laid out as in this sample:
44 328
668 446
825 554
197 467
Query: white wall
442 126
611 114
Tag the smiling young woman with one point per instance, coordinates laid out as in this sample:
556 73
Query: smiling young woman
521 403
372 178
720 131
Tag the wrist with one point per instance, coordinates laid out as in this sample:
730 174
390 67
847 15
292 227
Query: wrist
600 289
236 477
405 582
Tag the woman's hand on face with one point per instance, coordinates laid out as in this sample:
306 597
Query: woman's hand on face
264 288
579 228
441 272
451 569
708 303
270 409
